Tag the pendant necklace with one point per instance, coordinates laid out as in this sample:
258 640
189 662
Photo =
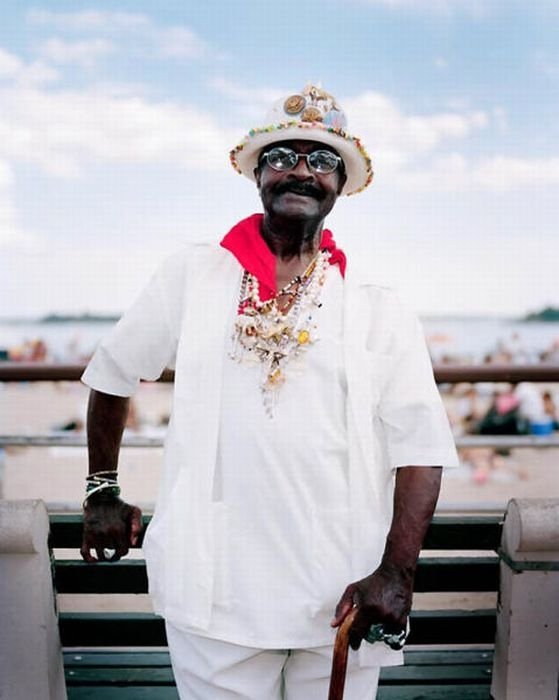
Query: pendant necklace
276 332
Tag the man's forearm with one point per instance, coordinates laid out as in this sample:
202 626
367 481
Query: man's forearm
106 418
415 497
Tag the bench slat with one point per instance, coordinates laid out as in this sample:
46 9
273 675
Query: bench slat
104 692
78 659
464 532
125 576
112 675
424 692
444 692
82 658
445 532
146 629
455 574
395 675
452 627
111 629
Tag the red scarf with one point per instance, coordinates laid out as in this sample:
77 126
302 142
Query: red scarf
245 241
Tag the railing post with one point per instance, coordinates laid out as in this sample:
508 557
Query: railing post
31 663
526 663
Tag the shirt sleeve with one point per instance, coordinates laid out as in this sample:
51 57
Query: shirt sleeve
411 411
145 339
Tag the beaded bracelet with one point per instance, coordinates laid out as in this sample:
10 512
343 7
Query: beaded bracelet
100 481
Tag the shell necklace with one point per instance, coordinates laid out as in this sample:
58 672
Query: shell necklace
274 333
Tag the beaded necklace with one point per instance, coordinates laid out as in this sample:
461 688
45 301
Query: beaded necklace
276 332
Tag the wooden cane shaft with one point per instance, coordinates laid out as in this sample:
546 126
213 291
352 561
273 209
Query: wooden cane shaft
339 658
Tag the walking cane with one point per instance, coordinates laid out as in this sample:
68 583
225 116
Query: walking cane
339 658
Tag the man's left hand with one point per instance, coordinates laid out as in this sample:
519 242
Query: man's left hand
384 597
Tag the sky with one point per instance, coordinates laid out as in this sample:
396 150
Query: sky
116 119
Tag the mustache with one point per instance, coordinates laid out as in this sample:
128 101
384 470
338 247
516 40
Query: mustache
306 189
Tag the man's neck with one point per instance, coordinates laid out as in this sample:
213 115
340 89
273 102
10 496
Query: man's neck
292 240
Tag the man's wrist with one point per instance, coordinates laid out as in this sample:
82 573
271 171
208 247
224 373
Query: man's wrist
100 497
101 486
403 569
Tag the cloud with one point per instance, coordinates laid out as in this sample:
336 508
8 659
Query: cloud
546 64
89 20
234 91
454 172
396 138
12 235
63 131
179 42
13 69
82 53
502 173
10 65
473 8
132 29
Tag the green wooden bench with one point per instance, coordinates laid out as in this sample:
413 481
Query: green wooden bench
122 656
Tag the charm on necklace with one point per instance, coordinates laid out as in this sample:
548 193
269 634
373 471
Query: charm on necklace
275 332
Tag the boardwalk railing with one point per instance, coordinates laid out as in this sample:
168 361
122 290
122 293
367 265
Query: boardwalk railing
444 374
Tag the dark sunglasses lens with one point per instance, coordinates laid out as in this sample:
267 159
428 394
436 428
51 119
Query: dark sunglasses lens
282 158
323 161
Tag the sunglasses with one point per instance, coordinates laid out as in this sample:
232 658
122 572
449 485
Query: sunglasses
282 159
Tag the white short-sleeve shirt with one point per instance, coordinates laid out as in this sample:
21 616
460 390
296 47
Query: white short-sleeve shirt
366 404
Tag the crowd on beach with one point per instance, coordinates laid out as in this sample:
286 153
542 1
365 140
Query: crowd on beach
472 407
38 350
509 351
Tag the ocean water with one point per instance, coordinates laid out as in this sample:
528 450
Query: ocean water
466 338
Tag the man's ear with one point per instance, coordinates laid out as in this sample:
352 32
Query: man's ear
256 173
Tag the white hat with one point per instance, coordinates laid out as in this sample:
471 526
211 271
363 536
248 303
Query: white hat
311 115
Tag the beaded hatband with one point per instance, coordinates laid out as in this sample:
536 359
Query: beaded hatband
293 125
276 332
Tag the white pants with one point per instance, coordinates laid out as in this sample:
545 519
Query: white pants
208 669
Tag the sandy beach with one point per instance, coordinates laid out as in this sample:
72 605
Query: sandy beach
56 474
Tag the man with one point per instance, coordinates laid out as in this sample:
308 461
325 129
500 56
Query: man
303 458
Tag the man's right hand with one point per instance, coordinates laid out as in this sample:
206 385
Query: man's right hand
109 523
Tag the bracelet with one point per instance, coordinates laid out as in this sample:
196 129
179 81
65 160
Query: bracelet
113 489
101 476
101 481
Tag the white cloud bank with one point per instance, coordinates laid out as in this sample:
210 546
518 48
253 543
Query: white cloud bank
473 8
396 138
176 41
81 53
12 235
63 131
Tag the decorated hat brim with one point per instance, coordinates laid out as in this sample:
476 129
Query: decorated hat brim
244 157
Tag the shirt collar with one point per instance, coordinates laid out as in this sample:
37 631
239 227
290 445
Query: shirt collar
245 241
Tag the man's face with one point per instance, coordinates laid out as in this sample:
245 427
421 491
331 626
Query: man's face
300 193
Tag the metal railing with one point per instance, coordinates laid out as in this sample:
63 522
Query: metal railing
444 374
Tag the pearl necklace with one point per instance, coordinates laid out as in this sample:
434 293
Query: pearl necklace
276 332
